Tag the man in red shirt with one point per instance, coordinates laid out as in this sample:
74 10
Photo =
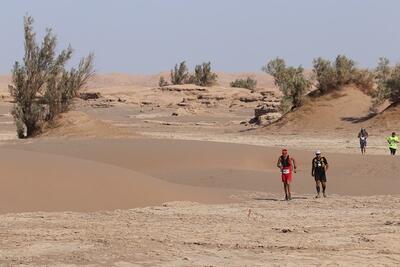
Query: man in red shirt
287 165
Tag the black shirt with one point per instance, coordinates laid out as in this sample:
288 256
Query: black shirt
285 162
319 164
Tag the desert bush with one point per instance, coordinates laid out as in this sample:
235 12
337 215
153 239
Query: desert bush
291 82
345 69
203 76
41 86
248 83
180 74
382 74
162 82
393 85
388 83
332 76
20 129
365 80
325 75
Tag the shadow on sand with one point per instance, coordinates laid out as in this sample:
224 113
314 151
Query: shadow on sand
359 119
275 199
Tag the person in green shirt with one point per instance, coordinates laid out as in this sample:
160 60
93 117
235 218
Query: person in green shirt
392 141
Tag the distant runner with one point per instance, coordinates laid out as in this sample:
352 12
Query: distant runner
363 136
392 141
318 171
287 165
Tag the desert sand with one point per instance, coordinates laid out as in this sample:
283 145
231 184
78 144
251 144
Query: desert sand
178 176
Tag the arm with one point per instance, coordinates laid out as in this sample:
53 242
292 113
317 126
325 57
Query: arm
278 164
294 164
312 168
326 164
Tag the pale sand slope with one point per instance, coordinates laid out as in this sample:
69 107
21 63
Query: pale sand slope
338 231
204 164
34 181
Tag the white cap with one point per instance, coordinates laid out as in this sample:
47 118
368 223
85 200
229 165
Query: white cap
318 152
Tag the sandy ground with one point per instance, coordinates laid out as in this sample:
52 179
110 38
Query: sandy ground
263 231
121 181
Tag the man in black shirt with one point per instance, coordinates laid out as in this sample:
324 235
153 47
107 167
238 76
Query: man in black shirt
318 171
363 136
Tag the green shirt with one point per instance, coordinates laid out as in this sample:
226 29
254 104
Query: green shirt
393 140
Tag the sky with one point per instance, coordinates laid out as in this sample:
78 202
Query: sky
150 36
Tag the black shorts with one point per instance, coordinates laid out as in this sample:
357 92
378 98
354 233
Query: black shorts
392 151
363 143
320 176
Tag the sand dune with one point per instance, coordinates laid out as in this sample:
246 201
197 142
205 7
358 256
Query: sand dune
35 181
107 174
79 124
344 110
387 119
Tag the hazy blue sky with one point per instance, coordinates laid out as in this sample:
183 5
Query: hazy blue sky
148 36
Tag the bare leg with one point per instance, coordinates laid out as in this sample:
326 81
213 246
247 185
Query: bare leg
323 188
318 187
288 192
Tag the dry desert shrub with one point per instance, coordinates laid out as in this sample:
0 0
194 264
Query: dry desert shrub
162 82
332 76
248 83
41 86
180 73
291 82
203 75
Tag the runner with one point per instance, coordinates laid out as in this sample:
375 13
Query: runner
392 141
287 165
318 171
363 136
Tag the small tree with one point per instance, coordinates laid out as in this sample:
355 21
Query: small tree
382 74
345 69
365 80
291 82
180 74
41 86
393 85
248 83
333 76
388 83
162 82
325 75
203 76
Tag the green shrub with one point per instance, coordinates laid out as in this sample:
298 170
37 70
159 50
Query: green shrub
162 82
180 74
41 86
333 76
203 76
325 75
248 83
388 83
365 80
393 85
345 69
382 74
291 82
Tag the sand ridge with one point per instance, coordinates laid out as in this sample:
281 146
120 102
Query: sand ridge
104 174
